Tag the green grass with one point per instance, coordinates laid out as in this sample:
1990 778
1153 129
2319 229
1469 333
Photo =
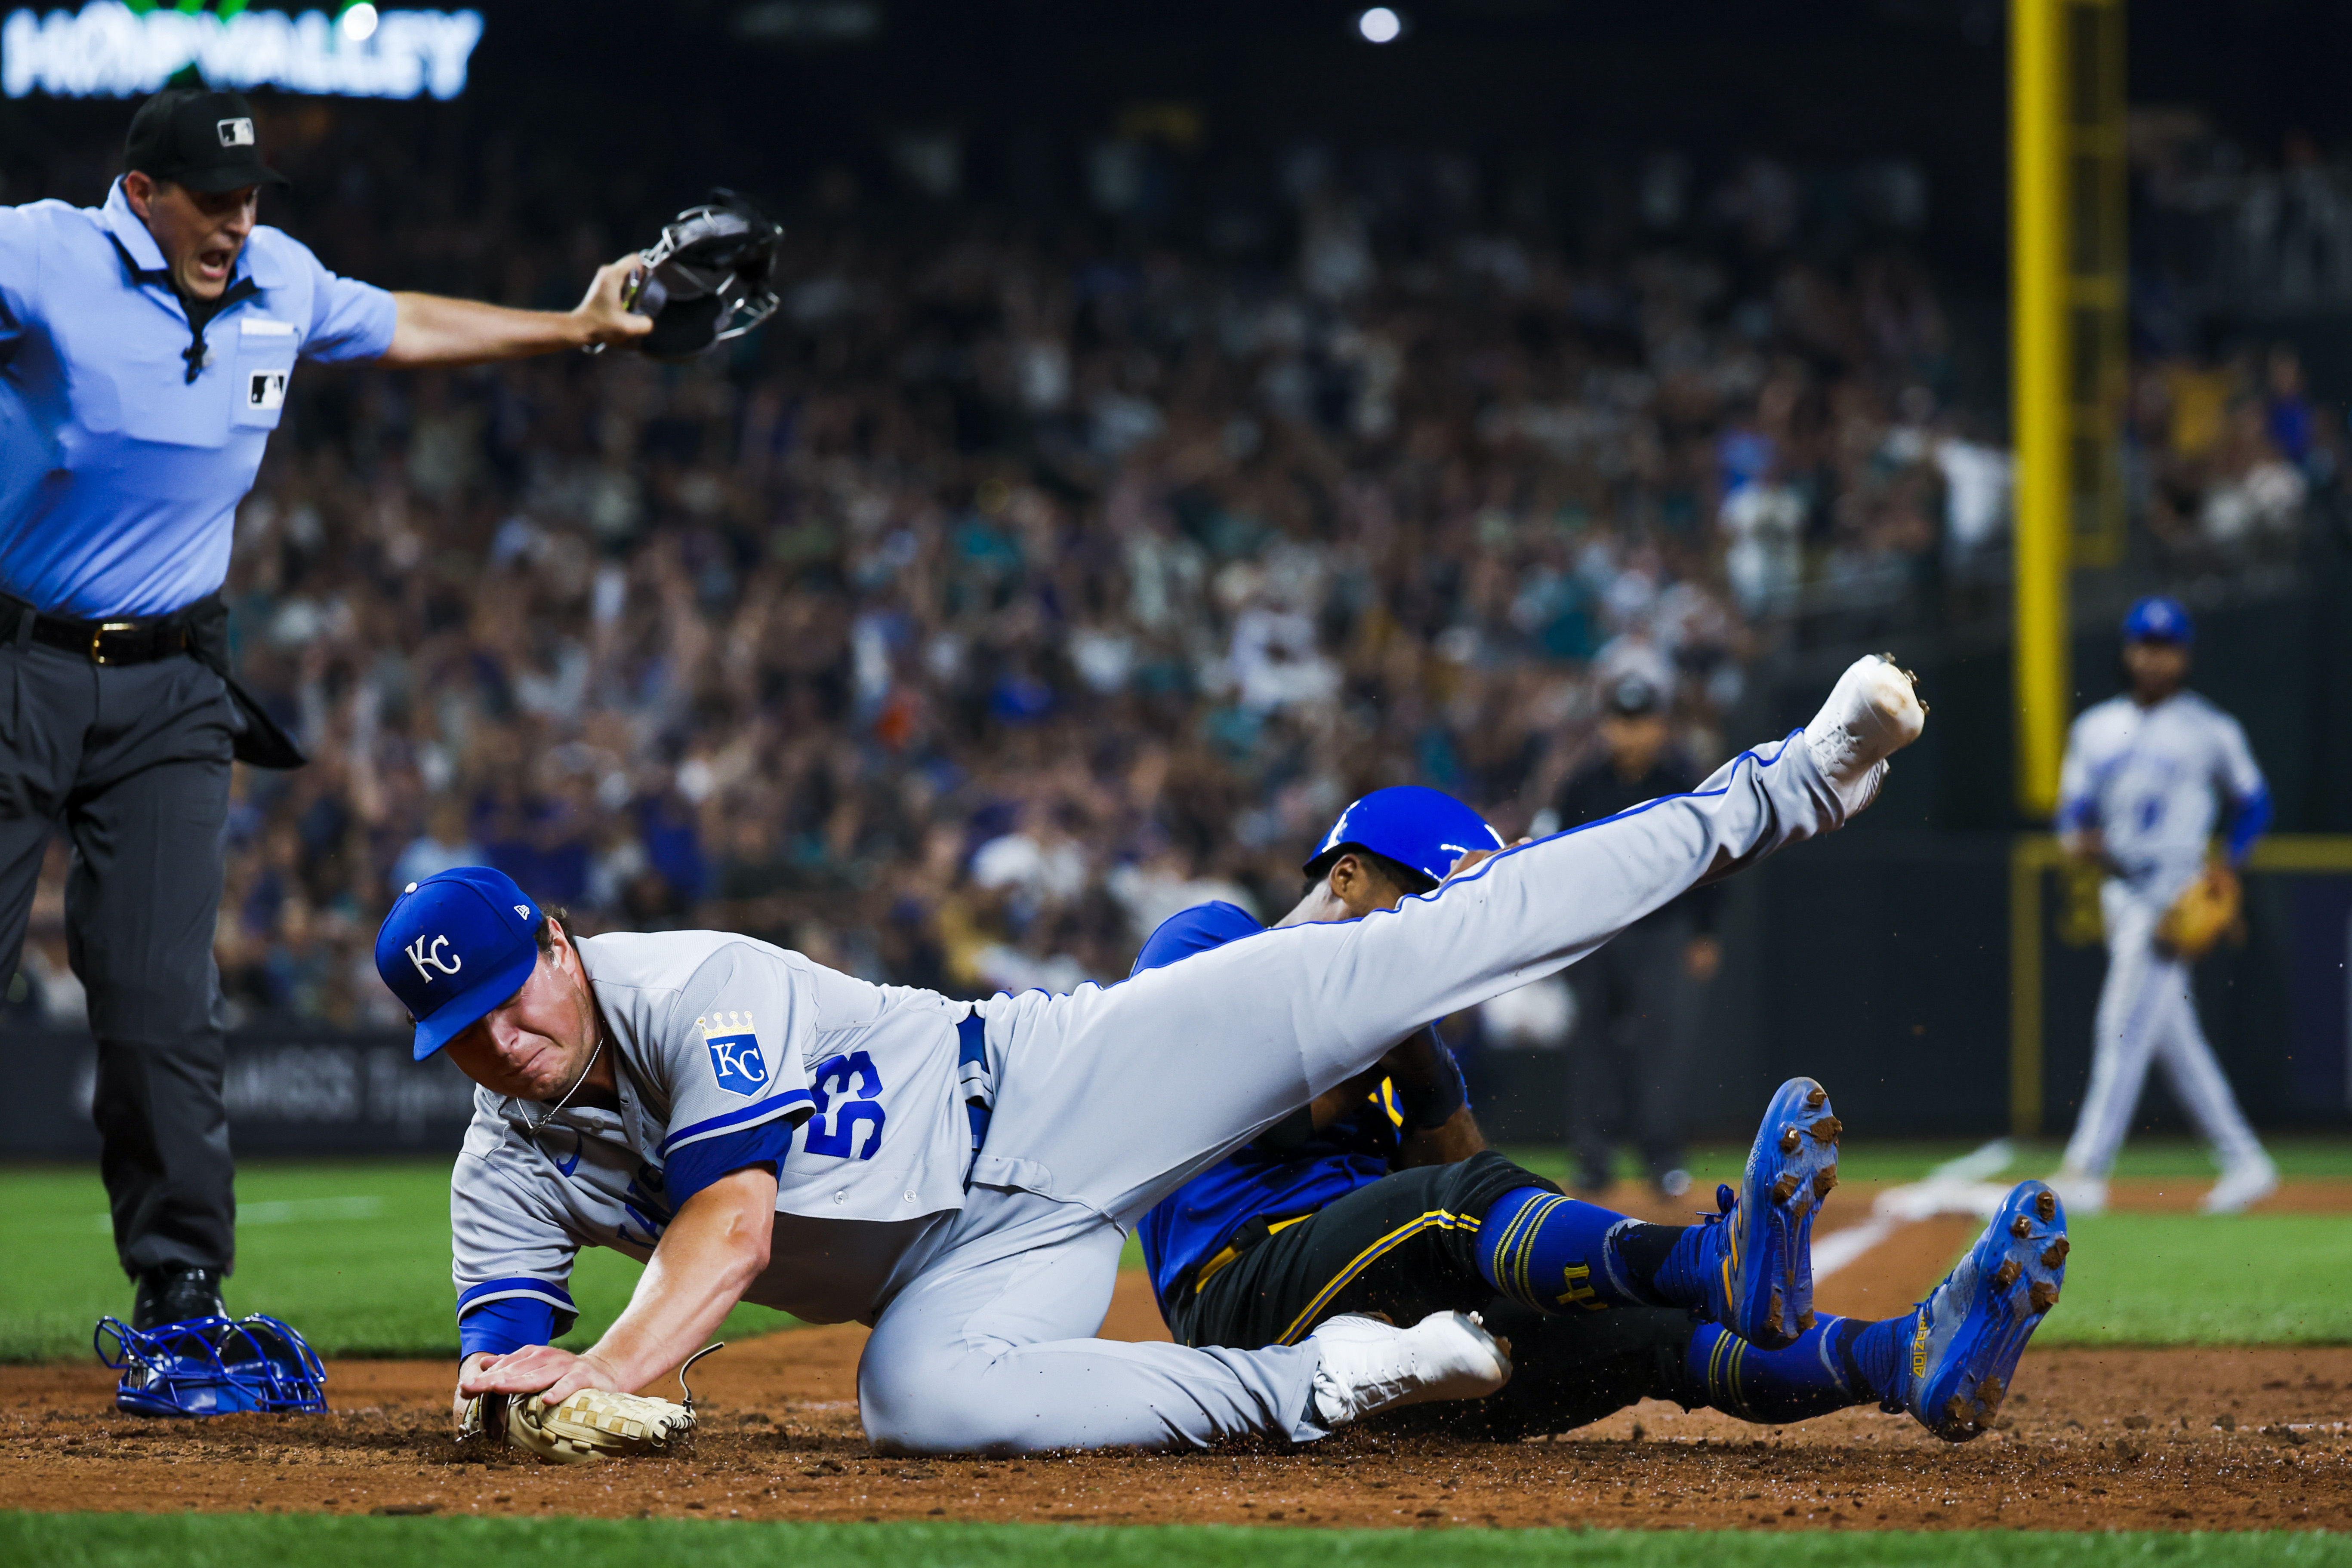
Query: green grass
214 1540
2143 1278
1862 1159
355 1255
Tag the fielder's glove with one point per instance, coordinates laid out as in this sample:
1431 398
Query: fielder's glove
2206 911
591 1424
707 280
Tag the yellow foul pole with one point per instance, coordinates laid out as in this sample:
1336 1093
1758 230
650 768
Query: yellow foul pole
2067 302
2040 401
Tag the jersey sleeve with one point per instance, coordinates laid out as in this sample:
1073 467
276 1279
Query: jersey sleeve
2078 802
2240 775
511 1253
737 1083
2240 780
349 319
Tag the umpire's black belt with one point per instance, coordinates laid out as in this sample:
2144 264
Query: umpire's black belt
199 630
139 639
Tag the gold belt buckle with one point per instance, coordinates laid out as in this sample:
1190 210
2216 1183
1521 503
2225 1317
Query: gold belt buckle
97 652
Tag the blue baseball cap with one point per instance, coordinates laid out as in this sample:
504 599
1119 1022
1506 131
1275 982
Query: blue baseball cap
1427 829
2157 619
454 946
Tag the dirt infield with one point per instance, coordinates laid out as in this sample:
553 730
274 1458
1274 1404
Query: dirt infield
2093 1439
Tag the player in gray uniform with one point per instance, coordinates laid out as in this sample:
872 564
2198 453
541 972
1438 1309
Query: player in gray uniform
962 1177
2140 793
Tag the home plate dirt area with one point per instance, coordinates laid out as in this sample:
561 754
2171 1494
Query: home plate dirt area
2090 1439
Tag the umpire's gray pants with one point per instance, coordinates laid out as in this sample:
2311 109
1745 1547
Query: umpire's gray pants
1109 1099
1628 1056
131 762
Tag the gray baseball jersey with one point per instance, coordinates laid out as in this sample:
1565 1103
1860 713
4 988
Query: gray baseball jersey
731 1053
2152 780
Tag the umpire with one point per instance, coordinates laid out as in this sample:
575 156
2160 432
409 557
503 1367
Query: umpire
1627 1056
145 350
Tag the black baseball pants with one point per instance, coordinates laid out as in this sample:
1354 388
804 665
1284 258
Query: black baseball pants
1405 1246
1628 1054
131 762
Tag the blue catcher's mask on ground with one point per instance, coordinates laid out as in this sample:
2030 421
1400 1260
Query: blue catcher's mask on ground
211 1366
1427 829
2159 619
454 946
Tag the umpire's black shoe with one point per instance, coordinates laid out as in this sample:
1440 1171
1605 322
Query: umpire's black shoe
175 1293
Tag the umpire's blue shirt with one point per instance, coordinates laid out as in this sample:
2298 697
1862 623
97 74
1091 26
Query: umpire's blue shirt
120 477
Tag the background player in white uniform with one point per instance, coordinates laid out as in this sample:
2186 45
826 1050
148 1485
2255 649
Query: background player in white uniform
759 1127
2146 779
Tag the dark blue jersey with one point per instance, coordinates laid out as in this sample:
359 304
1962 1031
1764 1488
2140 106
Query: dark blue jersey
1194 1223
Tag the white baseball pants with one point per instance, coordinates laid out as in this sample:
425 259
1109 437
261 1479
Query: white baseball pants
1107 1100
2147 1010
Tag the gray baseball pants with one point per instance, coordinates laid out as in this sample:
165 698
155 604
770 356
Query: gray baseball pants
1109 1099
1628 1054
2147 1010
131 762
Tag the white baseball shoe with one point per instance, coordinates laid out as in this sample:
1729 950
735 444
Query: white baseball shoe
2082 1195
1370 1366
1872 713
2241 1186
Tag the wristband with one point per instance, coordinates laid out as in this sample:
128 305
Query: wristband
1428 1106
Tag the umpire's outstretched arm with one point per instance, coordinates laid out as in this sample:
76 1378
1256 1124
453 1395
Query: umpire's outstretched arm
434 329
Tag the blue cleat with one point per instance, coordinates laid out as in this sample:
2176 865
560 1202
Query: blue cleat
1760 1259
1966 1337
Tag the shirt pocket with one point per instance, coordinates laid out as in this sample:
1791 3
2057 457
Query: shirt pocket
264 367
158 403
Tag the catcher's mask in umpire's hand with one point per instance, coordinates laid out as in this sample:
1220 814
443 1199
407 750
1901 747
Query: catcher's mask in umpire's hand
707 279
211 1366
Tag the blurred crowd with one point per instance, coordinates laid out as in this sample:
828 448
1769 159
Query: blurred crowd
1020 584
2228 445
2226 455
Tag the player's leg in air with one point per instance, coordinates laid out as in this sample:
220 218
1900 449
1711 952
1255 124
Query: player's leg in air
1107 1099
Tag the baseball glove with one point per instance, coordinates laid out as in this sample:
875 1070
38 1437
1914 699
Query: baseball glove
590 1424
707 280
2206 911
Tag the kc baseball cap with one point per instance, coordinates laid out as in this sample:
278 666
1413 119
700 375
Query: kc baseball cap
2159 619
203 140
1427 829
454 946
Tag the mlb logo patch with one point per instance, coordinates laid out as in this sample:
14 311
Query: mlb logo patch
735 1059
265 390
237 133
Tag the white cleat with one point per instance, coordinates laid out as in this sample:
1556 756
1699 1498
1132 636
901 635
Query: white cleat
1871 713
2082 1195
1370 1366
2241 1186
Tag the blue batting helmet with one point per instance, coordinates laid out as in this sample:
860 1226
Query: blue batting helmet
1427 829
2157 619
211 1366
